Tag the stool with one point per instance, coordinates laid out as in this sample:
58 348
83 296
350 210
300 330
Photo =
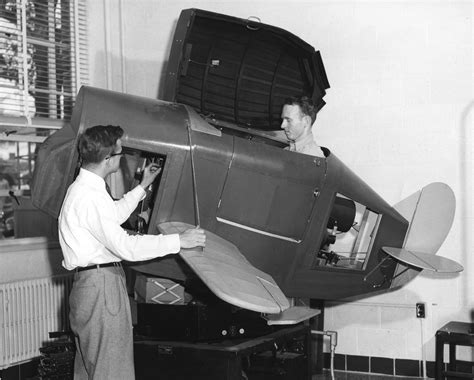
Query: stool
454 334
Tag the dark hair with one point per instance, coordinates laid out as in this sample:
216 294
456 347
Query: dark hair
98 142
306 105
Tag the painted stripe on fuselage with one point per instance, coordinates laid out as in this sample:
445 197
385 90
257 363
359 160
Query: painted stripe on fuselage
248 228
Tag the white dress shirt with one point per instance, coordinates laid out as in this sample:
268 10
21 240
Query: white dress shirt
307 145
90 231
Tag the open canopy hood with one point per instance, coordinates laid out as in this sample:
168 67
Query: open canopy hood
240 71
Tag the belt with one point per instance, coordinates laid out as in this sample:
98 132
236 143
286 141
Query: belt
97 266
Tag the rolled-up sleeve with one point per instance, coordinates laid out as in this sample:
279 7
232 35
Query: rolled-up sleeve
125 206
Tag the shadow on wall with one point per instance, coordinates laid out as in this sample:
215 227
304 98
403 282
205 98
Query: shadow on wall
139 76
467 227
472 332
162 80
164 69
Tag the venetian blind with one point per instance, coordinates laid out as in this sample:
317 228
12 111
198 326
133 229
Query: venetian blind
43 62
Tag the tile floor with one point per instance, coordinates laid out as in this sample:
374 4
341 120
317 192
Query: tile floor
345 375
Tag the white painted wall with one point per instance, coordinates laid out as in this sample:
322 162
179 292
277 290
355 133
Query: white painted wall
29 258
399 112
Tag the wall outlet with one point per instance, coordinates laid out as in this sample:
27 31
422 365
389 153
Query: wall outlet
420 310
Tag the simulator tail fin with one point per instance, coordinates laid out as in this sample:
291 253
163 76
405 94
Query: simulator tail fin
430 213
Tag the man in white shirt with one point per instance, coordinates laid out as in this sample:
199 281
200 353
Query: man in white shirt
298 115
93 244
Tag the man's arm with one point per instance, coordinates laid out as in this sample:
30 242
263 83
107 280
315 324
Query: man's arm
130 200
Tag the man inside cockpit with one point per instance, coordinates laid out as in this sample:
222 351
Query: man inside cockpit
298 116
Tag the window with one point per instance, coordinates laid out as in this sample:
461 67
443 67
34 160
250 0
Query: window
43 62
349 238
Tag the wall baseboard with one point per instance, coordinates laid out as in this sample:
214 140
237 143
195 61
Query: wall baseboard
387 366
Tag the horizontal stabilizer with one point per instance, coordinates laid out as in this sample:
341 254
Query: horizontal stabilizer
424 260
229 275
292 316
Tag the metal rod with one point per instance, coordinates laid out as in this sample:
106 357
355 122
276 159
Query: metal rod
332 344
376 267
193 171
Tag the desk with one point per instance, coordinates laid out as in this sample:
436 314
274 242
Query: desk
257 358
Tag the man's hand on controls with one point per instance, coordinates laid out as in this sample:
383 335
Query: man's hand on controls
194 237
149 175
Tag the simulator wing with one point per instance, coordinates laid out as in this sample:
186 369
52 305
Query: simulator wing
230 276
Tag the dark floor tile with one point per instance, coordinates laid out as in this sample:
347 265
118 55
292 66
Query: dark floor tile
29 369
430 369
381 365
345 375
357 363
11 373
406 367
326 375
357 376
327 360
340 362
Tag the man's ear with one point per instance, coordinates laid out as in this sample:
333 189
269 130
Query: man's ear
106 162
307 120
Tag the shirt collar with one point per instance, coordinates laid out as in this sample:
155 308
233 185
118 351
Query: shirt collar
91 178
298 145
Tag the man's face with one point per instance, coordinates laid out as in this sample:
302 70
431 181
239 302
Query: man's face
294 123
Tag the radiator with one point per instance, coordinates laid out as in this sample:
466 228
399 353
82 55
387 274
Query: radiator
29 311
